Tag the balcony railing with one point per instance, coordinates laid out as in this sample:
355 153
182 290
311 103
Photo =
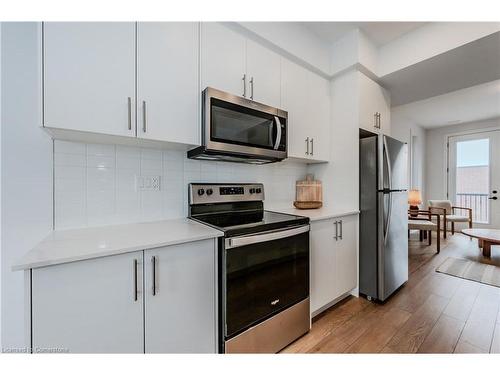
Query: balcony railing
479 204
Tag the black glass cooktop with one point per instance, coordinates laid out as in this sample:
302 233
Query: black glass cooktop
244 222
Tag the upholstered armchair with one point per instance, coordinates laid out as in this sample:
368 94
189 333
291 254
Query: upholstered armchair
422 220
445 209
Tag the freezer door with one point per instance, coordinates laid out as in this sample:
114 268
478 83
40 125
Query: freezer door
393 165
392 243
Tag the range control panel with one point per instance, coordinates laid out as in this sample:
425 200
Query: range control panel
231 190
219 193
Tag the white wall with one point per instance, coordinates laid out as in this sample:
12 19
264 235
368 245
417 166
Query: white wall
414 135
354 49
26 169
295 40
436 153
342 193
96 184
0 184
428 41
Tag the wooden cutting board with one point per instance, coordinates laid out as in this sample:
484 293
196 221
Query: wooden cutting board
309 193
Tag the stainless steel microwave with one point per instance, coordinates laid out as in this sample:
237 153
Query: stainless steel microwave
240 130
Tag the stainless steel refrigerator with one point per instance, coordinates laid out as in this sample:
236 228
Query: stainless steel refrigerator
383 241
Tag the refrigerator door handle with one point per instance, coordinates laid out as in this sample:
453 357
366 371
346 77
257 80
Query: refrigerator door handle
387 159
388 220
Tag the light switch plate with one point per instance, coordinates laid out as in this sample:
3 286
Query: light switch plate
148 183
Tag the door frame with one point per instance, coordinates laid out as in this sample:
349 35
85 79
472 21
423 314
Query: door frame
447 164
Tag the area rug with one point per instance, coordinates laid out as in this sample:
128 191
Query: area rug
470 270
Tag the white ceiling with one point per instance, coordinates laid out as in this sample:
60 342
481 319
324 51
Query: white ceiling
469 65
380 33
467 105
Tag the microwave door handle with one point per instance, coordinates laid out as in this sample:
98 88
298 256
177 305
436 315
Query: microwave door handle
278 132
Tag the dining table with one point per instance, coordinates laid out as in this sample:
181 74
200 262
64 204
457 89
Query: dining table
485 237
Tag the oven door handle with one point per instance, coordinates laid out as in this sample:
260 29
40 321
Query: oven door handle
264 237
278 132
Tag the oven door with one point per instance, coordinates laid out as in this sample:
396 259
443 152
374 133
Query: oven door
237 125
264 274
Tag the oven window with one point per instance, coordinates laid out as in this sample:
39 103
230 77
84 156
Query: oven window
263 279
231 123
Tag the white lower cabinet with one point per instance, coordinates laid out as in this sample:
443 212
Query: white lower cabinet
106 305
89 306
334 260
180 299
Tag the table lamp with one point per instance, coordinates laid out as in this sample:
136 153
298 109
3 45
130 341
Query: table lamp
414 199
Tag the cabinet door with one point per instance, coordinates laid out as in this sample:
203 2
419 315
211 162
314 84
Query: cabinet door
373 99
89 76
264 74
180 312
90 306
346 259
384 98
294 96
322 264
319 110
222 59
168 94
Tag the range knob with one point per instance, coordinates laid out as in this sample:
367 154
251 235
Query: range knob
252 191
201 191
258 190
209 191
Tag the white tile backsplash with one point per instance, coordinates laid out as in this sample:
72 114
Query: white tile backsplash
96 184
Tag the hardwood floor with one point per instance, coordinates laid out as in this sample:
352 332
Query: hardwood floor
431 313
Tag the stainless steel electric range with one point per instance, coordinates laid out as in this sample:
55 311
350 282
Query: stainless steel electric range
263 267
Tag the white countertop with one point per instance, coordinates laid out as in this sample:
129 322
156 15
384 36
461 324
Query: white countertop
71 245
322 213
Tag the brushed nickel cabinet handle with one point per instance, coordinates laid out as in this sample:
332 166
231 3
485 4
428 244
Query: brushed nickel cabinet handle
307 146
144 118
251 88
135 279
244 79
341 229
336 231
129 112
377 120
153 265
312 146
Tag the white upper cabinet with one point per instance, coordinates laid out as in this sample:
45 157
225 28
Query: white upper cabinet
294 96
375 106
232 63
263 75
168 94
89 76
305 96
223 61
319 106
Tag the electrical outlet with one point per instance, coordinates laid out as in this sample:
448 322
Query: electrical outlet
148 183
